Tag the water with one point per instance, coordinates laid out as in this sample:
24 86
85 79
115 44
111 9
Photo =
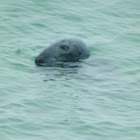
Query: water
98 100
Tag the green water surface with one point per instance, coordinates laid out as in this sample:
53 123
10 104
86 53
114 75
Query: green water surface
100 100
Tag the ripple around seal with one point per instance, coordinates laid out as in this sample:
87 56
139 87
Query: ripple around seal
97 100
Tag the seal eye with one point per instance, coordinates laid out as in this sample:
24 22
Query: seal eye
64 47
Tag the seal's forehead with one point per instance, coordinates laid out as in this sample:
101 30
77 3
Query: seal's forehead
62 44
65 41
69 41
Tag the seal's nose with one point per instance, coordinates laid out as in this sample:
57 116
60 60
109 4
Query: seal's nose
39 61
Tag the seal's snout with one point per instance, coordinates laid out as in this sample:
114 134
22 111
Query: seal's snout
39 61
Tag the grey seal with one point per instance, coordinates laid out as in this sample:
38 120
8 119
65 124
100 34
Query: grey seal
65 50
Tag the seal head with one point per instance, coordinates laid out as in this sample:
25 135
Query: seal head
65 50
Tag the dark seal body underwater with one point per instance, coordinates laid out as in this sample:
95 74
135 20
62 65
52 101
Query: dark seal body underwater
65 50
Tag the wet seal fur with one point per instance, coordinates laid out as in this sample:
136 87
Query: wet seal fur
62 51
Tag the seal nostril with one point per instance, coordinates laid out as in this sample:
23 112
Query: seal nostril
38 61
